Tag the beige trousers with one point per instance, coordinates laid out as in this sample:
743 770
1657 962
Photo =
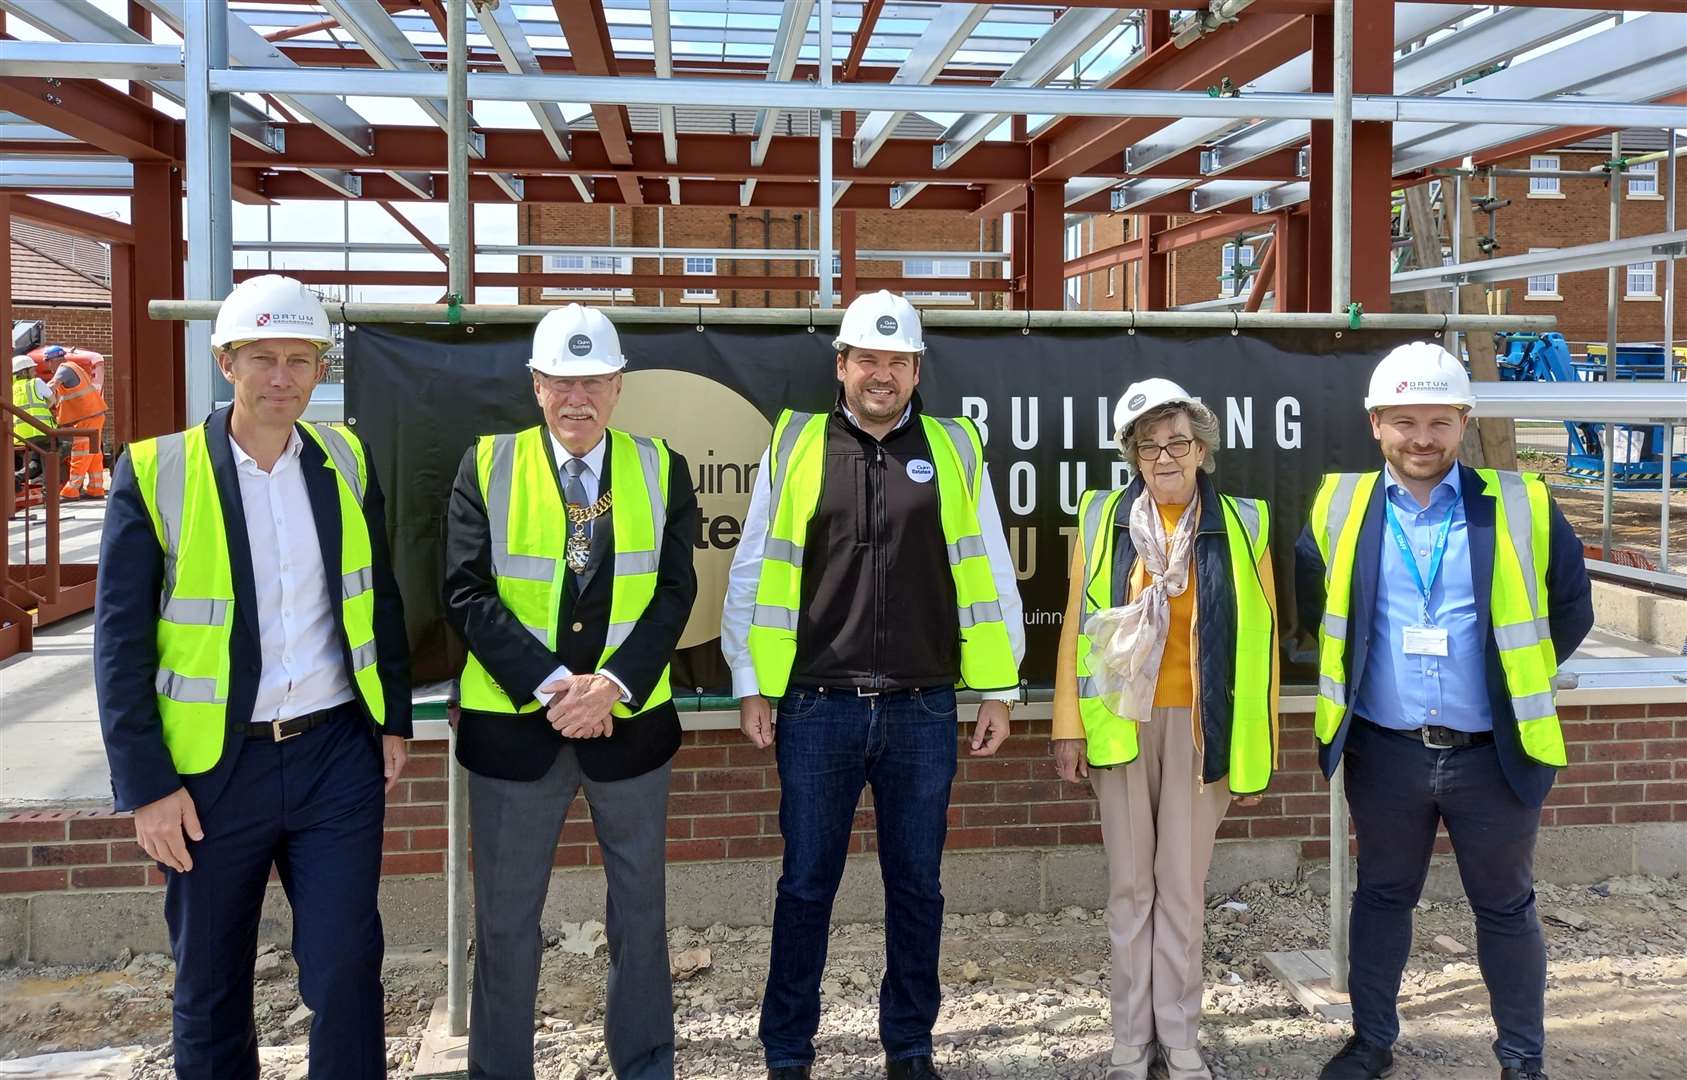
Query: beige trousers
1158 825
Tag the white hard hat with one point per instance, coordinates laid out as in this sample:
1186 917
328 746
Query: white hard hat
271 306
576 341
21 364
1145 396
883 321
1419 373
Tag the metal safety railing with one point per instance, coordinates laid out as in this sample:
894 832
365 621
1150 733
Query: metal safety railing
37 591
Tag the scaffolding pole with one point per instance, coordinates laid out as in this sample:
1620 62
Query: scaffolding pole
1671 158
461 259
1615 173
823 262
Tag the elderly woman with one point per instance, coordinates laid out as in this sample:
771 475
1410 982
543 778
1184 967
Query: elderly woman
1166 700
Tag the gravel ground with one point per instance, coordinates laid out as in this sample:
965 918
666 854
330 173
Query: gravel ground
1024 997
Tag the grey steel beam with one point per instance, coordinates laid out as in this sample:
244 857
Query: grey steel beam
781 62
1605 254
948 30
19 173
1136 192
94 60
1631 402
497 20
1219 193
1411 21
375 31
248 48
1479 45
346 183
77 24
419 184
209 217
863 97
1281 197
662 42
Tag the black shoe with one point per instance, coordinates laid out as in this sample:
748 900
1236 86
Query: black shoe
1359 1060
788 1072
1509 1073
914 1068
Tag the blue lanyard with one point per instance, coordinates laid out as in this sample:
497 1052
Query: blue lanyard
1406 555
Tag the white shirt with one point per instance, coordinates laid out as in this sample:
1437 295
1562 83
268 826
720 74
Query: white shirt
303 668
590 477
745 577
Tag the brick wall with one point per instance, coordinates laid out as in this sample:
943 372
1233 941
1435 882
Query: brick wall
1628 764
748 229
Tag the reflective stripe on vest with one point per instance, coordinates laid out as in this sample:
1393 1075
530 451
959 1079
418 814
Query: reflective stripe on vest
528 527
178 484
26 395
1111 739
1517 600
796 463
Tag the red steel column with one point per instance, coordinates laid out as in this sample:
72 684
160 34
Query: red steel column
158 396
1315 257
1046 224
1373 143
1289 277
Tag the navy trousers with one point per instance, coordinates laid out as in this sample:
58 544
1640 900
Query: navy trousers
1399 791
312 807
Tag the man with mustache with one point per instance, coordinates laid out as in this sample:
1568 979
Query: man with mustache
872 580
1445 597
569 575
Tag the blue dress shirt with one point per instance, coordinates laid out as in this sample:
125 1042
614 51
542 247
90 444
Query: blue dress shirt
1410 691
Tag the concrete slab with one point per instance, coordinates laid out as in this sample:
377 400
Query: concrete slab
1661 848
861 894
1075 876
738 893
1236 864
983 881
442 1055
1584 854
51 753
89 927
1648 617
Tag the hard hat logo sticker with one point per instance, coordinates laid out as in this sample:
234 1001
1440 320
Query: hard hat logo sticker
886 325
263 320
921 472
580 345
1137 401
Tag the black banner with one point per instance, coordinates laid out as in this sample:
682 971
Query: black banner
1289 403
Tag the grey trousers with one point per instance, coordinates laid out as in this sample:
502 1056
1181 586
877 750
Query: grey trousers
1158 824
514 826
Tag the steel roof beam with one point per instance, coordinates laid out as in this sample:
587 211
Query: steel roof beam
1632 249
944 35
1495 38
501 27
662 43
781 62
586 29
247 48
78 23
93 60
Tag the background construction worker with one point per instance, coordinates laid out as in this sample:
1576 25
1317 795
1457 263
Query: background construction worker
79 404
872 579
34 396
1166 701
254 689
1444 597
568 571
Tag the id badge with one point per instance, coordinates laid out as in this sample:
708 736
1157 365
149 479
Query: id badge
1426 641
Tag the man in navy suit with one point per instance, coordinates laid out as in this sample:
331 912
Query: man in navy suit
254 692
1445 597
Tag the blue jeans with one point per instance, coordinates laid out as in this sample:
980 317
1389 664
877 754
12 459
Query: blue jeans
1399 790
830 744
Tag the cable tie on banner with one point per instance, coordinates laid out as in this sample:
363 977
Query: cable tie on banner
811 318
1130 328
1355 311
699 318
1026 329
454 308
1442 333
1236 324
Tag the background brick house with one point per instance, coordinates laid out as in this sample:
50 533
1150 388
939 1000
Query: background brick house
65 282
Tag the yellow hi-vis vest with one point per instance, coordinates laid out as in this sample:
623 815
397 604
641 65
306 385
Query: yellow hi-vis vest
26 395
529 528
796 461
1111 739
196 616
1517 604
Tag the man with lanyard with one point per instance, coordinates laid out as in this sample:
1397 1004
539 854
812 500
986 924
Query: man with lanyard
872 579
1445 597
568 572
253 676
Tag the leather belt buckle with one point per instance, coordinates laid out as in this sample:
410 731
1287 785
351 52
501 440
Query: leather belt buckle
280 735
1433 740
861 691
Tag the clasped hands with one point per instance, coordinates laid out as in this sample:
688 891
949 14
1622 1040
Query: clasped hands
580 704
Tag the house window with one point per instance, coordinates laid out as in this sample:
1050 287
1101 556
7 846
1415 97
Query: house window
1642 281
1643 180
1543 186
1112 280
700 264
1542 286
1234 270
588 264
930 268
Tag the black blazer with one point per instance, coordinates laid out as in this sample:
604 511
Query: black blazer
523 747
1569 599
126 605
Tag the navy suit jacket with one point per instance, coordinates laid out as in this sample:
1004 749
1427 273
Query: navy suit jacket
129 594
1569 611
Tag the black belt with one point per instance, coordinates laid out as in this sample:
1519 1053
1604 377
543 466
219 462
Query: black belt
1437 737
282 730
868 692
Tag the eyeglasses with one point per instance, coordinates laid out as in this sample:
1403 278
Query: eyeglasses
1177 448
